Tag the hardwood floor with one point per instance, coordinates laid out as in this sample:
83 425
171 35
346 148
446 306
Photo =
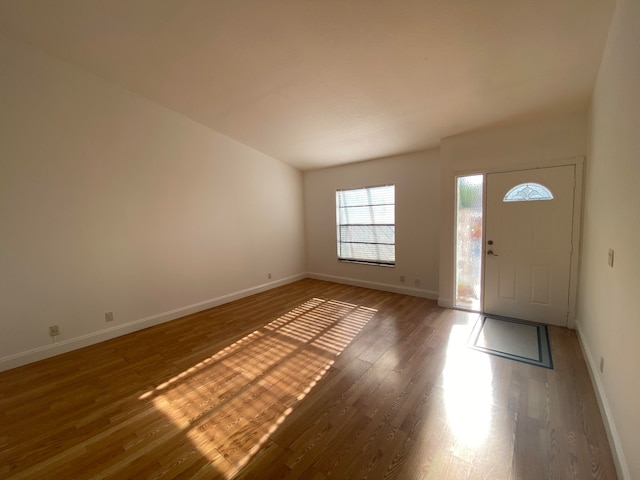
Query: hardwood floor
312 380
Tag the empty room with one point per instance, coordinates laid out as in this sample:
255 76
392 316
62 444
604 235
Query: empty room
319 240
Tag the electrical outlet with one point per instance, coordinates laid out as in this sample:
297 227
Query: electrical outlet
269 276
402 278
417 282
601 364
54 330
610 257
108 317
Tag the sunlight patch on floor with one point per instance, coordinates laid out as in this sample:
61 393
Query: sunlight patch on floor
230 403
468 392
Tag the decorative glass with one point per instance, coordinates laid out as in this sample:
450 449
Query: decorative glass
528 192
469 241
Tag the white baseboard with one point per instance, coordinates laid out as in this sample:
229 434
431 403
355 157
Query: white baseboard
414 292
40 353
622 467
446 303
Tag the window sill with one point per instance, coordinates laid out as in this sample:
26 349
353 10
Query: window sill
363 262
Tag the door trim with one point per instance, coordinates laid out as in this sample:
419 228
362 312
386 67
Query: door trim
578 163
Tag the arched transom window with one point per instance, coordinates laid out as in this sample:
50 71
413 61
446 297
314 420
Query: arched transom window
528 192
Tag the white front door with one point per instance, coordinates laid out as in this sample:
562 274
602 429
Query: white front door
528 244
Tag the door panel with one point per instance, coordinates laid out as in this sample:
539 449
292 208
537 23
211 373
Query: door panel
528 262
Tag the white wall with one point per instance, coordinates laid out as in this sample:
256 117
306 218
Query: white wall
417 180
608 313
515 146
109 202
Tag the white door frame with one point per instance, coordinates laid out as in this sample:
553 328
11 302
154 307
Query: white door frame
578 162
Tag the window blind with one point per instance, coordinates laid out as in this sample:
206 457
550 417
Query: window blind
366 225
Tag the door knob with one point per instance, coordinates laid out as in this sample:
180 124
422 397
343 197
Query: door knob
490 252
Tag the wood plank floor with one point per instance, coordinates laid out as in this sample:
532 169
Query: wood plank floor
312 380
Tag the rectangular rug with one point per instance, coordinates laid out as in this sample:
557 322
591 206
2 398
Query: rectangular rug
518 340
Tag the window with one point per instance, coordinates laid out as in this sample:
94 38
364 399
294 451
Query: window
469 249
528 192
366 225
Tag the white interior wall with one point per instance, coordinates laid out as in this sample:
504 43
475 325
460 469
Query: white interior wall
96 217
515 146
608 318
417 180
109 202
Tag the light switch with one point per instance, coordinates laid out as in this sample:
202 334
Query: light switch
611 257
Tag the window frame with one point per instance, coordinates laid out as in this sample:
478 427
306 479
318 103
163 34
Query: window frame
342 222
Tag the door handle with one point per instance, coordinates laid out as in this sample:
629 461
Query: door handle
490 252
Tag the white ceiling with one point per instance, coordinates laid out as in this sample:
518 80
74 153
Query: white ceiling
323 82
